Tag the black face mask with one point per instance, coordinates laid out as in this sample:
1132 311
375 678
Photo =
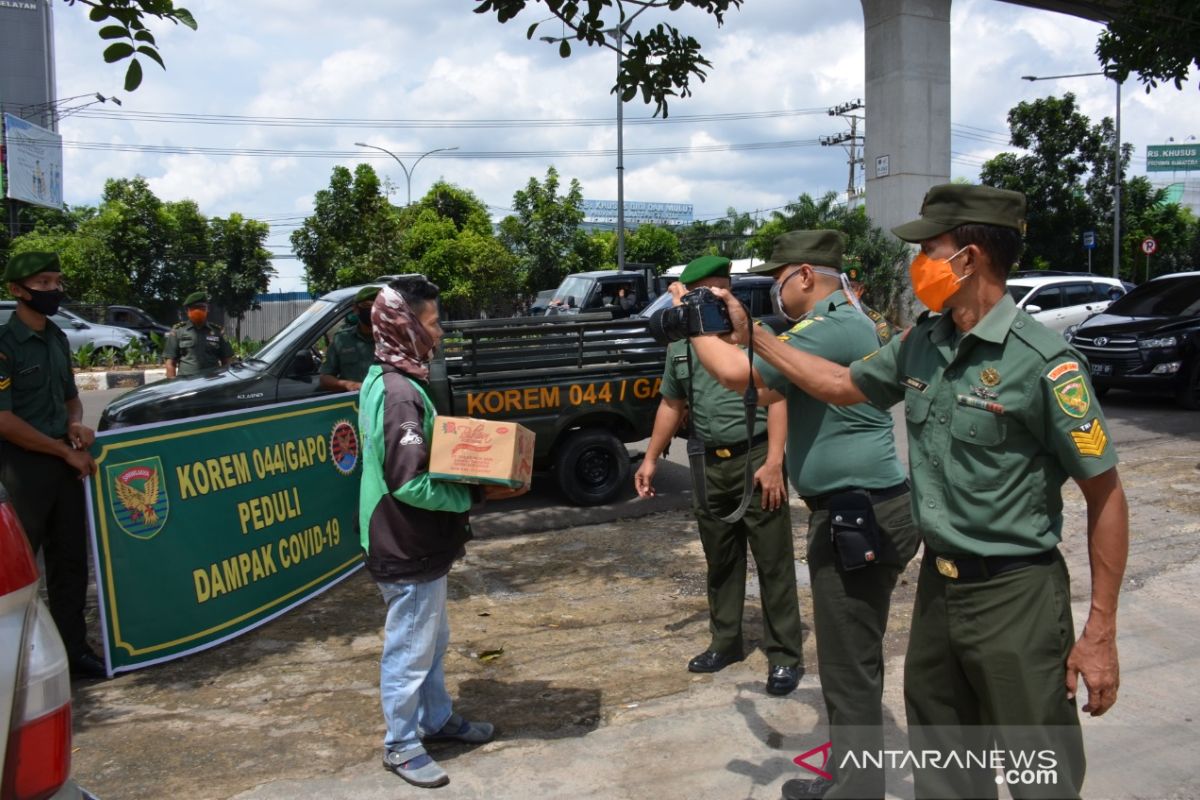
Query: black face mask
44 302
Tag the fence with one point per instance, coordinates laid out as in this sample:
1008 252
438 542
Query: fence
275 312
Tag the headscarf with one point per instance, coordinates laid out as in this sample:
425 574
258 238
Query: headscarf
401 341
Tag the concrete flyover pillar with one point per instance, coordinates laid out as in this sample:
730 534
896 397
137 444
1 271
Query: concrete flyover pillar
907 147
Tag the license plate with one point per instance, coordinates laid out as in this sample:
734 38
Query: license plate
1101 368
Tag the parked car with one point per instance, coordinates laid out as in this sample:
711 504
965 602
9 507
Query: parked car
134 319
35 685
1060 301
1149 340
79 331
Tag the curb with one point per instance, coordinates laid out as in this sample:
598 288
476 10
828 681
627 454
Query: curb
124 379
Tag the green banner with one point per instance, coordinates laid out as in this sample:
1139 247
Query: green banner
1172 157
205 528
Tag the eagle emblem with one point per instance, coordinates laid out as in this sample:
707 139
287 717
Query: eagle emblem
137 501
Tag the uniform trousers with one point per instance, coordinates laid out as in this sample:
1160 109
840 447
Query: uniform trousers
985 670
769 537
850 614
47 495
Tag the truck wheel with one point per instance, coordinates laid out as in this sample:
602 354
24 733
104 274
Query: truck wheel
592 467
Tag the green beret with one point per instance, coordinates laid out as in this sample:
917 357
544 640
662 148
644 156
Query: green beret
366 293
815 248
705 267
22 265
195 297
949 205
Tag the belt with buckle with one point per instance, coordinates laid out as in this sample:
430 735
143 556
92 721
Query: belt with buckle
821 501
981 568
730 450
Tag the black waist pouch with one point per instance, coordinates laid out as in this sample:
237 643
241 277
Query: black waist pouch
852 527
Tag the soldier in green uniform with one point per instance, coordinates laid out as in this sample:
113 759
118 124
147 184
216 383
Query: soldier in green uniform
719 418
197 344
353 349
1000 412
44 446
842 461
853 270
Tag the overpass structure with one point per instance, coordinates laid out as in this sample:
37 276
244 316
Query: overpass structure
907 148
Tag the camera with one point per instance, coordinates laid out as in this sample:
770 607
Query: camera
700 313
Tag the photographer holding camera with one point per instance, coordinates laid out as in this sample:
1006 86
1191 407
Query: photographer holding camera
718 418
842 461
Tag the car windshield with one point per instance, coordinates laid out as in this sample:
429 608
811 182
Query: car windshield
574 290
1018 292
1179 297
298 327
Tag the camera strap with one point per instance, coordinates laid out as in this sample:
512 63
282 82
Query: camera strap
696 448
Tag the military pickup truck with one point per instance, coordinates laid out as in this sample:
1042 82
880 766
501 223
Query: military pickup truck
584 384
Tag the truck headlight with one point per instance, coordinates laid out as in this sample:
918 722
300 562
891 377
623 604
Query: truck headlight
1169 368
1158 343
1069 333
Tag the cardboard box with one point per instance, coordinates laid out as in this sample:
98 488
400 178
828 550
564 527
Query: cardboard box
481 451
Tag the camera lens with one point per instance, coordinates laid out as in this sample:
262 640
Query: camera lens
669 324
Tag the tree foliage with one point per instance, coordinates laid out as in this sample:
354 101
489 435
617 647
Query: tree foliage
1159 40
353 234
543 232
123 23
652 244
241 266
659 62
1066 174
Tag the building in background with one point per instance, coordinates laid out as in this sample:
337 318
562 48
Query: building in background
1176 168
27 82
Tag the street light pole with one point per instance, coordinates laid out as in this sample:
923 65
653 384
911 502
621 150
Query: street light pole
407 172
1116 159
618 33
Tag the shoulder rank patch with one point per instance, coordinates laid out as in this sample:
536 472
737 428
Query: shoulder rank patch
1090 439
5 383
1062 369
802 324
1073 397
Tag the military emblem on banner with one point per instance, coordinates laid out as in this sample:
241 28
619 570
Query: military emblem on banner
136 497
1073 398
343 446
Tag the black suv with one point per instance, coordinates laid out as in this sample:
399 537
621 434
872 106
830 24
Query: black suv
1148 340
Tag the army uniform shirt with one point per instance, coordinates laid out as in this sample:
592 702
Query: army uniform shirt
828 443
196 348
997 418
719 417
350 356
36 379
883 328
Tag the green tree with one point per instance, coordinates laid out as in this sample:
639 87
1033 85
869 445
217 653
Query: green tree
1063 175
241 266
651 244
544 234
449 240
352 236
1159 40
123 22
1147 214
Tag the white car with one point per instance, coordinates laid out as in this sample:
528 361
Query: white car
79 331
1060 301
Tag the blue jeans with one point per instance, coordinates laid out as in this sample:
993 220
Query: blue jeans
412 684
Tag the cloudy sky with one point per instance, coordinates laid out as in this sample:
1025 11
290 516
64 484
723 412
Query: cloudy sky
314 77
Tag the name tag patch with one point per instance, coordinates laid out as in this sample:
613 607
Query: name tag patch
915 383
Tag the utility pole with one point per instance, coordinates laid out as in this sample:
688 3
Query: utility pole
851 139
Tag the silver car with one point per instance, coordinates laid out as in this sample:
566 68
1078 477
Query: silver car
79 331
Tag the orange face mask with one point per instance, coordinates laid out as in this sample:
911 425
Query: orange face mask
933 280
198 316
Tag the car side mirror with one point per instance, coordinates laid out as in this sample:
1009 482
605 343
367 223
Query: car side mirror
1031 309
77 325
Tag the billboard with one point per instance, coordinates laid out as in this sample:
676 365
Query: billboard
605 211
1172 157
33 163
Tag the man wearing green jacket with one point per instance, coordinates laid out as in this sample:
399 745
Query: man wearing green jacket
413 529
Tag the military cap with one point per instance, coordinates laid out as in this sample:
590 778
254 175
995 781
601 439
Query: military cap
195 297
22 265
366 293
705 267
949 205
816 248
